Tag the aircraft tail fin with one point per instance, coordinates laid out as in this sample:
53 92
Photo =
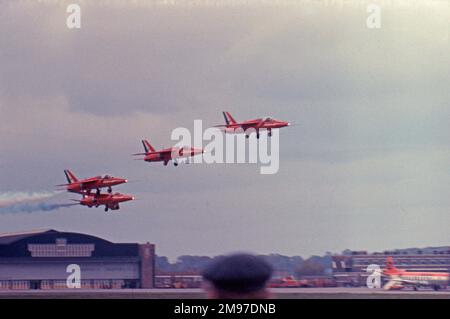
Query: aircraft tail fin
71 178
228 118
147 146
390 267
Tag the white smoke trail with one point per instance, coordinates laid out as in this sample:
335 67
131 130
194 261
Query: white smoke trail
31 208
28 202
11 198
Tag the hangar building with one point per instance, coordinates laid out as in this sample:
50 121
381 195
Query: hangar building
40 260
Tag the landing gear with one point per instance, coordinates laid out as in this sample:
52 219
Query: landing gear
165 163
98 191
109 190
257 135
106 209
175 163
247 136
270 132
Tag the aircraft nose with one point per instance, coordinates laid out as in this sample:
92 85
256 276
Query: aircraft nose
125 180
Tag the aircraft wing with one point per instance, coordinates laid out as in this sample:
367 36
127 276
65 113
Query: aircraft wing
166 151
81 192
391 283
82 183
399 282
261 122
251 122
153 153
90 182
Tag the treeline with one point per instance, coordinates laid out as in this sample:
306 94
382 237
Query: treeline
283 265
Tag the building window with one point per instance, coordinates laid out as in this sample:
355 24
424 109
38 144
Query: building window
61 242
55 250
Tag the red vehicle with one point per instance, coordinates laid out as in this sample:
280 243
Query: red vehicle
285 282
267 123
290 282
165 155
85 186
110 201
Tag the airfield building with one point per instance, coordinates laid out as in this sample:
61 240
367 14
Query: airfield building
45 259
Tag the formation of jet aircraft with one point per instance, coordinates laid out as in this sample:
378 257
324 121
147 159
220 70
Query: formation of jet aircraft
85 187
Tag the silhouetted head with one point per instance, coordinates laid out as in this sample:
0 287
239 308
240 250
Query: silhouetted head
238 276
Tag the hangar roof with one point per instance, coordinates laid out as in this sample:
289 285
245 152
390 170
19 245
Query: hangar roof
8 238
17 244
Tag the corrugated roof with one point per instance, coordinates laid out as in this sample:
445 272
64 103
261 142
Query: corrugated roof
8 238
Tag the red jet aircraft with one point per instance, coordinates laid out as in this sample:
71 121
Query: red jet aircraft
165 155
110 201
399 278
232 126
84 186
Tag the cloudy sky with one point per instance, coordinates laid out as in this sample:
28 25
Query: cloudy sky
368 166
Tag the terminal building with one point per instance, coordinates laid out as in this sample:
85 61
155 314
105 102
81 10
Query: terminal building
40 260
350 269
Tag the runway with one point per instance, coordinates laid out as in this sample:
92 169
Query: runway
278 293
